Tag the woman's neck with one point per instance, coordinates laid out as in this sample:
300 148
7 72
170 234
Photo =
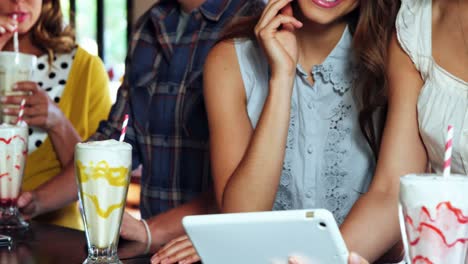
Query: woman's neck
25 45
316 42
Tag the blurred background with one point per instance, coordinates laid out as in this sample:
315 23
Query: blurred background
103 28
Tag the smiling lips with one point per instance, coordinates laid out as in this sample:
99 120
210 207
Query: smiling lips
327 3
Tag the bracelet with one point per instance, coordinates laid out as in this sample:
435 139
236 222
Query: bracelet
148 236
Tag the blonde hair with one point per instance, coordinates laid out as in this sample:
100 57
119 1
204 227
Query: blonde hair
50 34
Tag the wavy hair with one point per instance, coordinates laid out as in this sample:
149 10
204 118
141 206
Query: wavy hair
50 34
373 33
372 25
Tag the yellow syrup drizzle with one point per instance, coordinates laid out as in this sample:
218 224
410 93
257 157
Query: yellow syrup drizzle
103 170
101 212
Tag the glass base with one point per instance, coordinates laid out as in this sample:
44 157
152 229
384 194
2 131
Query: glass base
10 218
102 255
102 260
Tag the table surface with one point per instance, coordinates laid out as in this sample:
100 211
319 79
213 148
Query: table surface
43 243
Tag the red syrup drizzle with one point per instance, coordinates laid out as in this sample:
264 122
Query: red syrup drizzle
421 259
7 202
462 219
8 142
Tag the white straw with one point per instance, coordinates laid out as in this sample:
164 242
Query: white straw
15 37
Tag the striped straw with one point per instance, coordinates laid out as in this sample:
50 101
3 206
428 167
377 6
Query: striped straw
21 112
124 128
15 37
448 152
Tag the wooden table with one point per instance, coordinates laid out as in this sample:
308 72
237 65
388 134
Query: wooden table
50 244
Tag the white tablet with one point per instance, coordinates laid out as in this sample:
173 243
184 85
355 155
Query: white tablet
267 237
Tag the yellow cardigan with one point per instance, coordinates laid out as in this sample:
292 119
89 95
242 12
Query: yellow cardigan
85 102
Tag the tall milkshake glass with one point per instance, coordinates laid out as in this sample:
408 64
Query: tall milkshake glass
13 152
103 173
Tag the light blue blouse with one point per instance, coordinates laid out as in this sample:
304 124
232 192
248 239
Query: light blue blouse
328 163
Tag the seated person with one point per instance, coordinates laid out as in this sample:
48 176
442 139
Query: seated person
66 99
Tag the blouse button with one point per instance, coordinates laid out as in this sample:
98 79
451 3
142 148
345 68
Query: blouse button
311 105
310 193
310 149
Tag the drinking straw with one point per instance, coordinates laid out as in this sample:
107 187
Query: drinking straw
15 37
448 151
124 128
21 112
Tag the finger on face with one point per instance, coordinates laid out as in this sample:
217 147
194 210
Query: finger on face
287 10
270 11
288 22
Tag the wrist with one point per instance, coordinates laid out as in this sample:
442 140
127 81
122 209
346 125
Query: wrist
148 239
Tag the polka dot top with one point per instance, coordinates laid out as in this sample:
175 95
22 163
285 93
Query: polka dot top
52 79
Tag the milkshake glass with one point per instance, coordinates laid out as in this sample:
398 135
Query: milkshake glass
435 217
14 67
13 152
103 174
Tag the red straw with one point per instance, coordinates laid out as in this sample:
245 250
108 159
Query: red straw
21 112
448 152
124 128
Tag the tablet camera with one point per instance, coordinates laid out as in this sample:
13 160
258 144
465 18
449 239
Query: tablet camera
322 225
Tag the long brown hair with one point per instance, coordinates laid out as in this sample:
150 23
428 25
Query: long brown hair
50 34
374 30
371 24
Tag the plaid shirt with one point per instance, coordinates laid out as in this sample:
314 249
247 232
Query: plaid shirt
162 93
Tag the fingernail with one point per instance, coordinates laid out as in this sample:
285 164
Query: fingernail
3 99
6 110
15 86
354 258
155 259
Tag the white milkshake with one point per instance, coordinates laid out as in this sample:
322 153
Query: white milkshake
435 215
13 152
103 171
14 67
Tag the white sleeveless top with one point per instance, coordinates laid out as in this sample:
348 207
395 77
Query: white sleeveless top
443 99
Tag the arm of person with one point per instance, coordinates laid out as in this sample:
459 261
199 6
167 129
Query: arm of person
245 162
167 226
372 226
64 138
41 201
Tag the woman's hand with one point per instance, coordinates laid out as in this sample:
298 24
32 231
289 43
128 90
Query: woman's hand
179 250
39 111
275 34
8 26
29 205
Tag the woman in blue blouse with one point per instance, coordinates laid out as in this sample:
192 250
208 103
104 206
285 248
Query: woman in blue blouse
282 109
